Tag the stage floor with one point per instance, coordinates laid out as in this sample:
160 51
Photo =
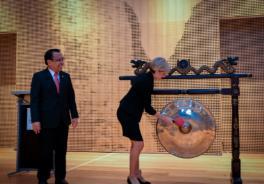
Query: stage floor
112 168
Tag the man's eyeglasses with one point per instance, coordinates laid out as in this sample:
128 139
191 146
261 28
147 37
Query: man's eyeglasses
58 60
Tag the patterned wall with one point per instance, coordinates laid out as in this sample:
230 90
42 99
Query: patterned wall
7 83
98 38
248 43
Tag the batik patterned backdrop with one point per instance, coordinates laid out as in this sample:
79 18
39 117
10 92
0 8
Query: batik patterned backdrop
100 37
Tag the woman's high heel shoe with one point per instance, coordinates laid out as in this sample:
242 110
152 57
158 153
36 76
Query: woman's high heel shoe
141 179
132 180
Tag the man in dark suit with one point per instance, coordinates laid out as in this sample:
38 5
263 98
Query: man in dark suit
53 108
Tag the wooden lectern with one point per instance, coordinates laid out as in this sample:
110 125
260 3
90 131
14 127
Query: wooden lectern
27 140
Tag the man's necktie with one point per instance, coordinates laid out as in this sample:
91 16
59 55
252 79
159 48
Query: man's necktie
57 82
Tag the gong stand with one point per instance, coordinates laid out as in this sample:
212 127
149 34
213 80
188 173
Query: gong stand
184 67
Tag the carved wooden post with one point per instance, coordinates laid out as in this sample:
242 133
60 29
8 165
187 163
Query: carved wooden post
235 164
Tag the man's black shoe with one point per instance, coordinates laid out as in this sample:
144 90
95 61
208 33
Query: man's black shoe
42 182
61 182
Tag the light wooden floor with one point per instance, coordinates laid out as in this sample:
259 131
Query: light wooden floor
112 168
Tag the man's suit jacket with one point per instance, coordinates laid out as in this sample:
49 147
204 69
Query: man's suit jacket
47 106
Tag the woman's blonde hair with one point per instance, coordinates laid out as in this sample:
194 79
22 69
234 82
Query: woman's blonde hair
159 64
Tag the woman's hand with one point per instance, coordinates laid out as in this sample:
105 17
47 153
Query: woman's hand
166 119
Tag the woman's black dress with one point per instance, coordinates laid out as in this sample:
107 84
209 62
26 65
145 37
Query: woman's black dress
133 105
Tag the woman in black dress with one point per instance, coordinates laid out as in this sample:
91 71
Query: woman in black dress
131 108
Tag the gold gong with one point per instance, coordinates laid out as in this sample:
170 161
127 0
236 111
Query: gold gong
192 131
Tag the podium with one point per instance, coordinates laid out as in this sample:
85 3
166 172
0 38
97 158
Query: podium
27 140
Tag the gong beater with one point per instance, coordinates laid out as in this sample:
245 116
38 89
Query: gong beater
192 132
